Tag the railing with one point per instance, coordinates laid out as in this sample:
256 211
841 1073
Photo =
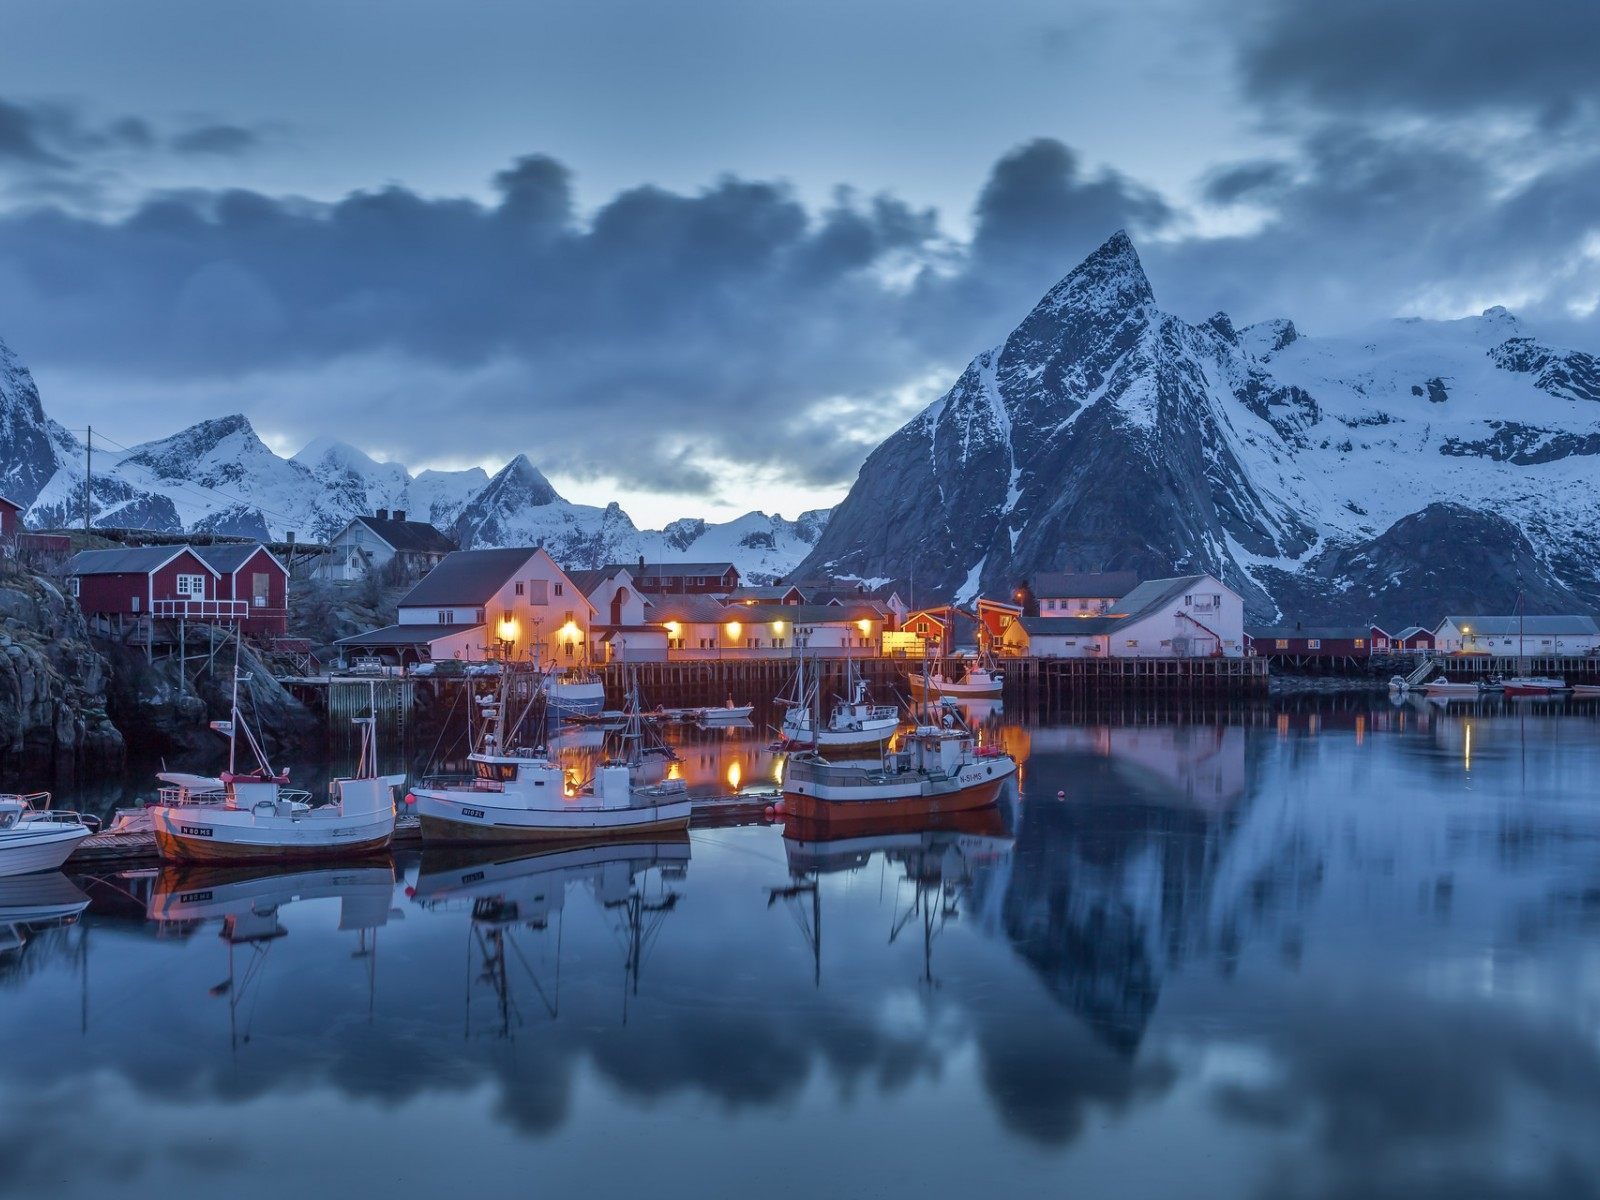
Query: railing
800 771
203 610
463 783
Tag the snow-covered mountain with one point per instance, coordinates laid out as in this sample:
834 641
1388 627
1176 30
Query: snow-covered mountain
219 476
1411 469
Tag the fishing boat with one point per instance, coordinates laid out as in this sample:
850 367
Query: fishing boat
940 769
1523 683
983 680
35 837
575 691
258 817
518 794
854 723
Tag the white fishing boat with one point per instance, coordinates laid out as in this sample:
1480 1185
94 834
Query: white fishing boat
1534 685
35 837
576 691
1455 689
517 794
258 817
983 679
854 723
938 769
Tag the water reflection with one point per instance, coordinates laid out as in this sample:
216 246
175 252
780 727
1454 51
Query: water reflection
1314 949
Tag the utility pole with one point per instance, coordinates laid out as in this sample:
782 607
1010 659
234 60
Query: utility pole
88 474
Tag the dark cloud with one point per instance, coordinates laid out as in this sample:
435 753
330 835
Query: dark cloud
222 140
732 321
1258 180
1427 56
20 137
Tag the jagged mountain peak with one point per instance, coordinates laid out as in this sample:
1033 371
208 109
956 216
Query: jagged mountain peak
1109 281
331 451
521 478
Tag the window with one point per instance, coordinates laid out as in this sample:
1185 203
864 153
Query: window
1361 643
777 643
519 587
922 626
133 604
538 591
260 589
444 615
1281 644
192 585
558 592
675 643
72 585
1132 643
752 643
567 620
1313 643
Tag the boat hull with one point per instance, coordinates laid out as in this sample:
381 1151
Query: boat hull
30 850
200 837
576 699
445 821
989 690
871 811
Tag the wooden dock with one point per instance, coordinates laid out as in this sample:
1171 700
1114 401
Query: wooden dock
1053 680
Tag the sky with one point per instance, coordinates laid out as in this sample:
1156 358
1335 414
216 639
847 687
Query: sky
700 258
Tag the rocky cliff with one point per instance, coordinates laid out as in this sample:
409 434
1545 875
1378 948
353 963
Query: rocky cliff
53 683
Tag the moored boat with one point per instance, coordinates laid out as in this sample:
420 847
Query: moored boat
983 680
939 769
1534 685
1442 687
575 692
518 794
35 837
258 817
854 723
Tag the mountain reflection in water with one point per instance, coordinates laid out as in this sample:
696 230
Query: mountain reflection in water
1317 949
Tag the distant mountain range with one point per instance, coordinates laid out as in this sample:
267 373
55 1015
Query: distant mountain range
219 476
1414 469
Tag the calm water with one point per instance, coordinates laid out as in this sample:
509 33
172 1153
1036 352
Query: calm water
1345 953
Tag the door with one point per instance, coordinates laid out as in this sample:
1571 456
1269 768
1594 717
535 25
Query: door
260 589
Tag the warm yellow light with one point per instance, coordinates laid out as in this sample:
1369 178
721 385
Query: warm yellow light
570 632
735 774
733 628
864 625
675 770
673 628
777 627
507 629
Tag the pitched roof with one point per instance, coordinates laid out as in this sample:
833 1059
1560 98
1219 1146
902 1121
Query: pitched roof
409 537
1097 585
405 635
1540 626
228 557
588 582
10 503
128 560
1411 631
1069 626
467 577
673 570
687 610
772 592
805 614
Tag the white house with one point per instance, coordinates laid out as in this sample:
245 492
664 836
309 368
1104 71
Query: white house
1079 594
702 627
482 604
1518 637
1189 616
622 631
367 544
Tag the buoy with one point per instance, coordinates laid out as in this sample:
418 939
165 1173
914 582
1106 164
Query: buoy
410 892
771 812
410 799
778 807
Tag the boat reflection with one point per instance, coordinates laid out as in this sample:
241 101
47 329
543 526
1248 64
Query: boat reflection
30 904
247 901
943 860
513 898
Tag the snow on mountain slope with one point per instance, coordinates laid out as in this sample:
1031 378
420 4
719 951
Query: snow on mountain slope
218 475
1343 478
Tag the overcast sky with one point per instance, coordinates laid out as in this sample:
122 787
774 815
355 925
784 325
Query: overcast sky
700 257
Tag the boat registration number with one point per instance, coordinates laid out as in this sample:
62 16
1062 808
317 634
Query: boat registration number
194 830
193 897
473 812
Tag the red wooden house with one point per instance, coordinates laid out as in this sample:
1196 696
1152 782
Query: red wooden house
140 581
684 579
1414 637
1318 641
251 573
10 521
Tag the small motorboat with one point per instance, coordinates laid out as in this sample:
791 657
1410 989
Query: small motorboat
1534 685
1442 688
726 715
35 837
980 682
1585 691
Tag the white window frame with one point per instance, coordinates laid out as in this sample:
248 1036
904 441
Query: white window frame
191 587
